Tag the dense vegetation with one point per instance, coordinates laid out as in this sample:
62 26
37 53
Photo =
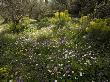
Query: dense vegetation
58 40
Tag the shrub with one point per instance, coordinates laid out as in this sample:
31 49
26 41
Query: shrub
103 10
23 24
61 19
99 24
43 23
4 73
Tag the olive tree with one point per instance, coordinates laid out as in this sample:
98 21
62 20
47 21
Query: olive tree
13 9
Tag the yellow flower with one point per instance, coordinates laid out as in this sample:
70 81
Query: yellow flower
77 25
62 14
92 22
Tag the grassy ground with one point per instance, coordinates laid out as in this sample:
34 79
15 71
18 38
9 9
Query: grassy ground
67 48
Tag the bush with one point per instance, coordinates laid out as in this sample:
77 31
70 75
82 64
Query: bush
103 10
99 24
43 23
61 19
23 24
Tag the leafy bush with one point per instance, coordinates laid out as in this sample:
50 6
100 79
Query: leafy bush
23 24
43 22
99 24
103 10
4 72
61 19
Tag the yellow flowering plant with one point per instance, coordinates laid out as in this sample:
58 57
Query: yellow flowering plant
99 24
61 19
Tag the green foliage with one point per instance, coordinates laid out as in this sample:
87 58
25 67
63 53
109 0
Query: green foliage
3 70
60 47
43 23
97 8
99 24
21 25
79 52
103 9
61 19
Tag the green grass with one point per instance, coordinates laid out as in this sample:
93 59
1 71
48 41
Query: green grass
46 52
